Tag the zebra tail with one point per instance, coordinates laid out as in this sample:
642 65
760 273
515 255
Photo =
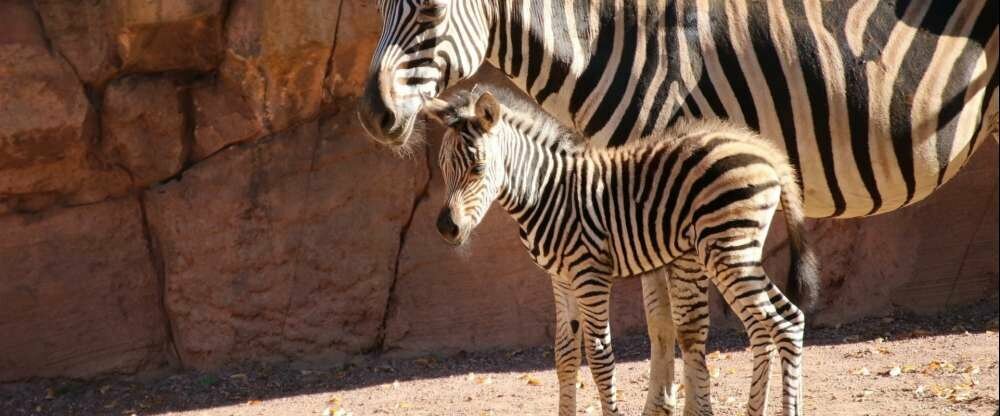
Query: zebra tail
803 272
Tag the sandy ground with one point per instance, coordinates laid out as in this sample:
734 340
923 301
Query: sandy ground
898 365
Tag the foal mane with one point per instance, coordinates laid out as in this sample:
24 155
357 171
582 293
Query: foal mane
519 110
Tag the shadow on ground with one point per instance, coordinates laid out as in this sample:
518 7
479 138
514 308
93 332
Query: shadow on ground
190 390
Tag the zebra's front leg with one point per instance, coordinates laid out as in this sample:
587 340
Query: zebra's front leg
689 302
660 400
567 346
593 295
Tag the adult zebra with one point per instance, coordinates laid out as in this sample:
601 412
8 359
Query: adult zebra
877 103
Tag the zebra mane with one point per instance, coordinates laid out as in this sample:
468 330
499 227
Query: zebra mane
526 113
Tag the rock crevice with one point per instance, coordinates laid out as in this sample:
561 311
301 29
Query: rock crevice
423 192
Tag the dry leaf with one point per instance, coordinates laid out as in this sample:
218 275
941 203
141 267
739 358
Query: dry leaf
863 371
533 381
859 353
333 408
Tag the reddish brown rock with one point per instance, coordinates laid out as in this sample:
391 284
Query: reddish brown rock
166 35
143 128
284 248
81 32
272 76
80 296
223 116
356 39
47 125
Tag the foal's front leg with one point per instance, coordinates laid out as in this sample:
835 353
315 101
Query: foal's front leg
593 295
567 345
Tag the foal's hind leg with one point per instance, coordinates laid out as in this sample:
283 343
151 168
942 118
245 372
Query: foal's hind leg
689 303
735 268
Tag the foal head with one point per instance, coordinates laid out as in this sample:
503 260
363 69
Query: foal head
471 160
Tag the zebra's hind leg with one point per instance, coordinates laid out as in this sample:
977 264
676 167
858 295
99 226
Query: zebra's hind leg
593 295
567 346
660 400
770 319
689 302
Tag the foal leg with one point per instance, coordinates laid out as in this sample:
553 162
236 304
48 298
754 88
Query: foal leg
769 317
689 300
660 400
567 346
592 296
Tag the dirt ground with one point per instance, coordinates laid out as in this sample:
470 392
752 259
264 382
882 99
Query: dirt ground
894 365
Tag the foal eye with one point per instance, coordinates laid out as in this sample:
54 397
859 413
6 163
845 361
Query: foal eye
477 169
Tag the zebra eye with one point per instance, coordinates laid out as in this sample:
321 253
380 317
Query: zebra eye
431 11
477 169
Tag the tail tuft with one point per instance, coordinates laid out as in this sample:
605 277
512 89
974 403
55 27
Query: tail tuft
803 272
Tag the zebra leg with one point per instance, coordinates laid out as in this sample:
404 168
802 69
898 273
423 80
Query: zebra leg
592 299
689 299
567 346
660 400
770 319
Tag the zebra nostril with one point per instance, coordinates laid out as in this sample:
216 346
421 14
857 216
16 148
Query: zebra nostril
445 225
388 120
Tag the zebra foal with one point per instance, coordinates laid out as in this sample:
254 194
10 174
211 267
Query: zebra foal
703 194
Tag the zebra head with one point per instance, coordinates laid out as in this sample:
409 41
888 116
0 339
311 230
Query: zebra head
426 46
470 161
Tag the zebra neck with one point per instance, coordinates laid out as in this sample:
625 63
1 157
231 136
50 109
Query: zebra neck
566 56
539 172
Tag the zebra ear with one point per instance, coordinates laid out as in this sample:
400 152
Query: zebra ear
487 110
438 109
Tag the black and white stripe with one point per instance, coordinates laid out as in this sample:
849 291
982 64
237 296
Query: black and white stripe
699 199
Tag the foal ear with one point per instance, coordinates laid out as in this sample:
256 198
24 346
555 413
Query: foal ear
438 109
487 110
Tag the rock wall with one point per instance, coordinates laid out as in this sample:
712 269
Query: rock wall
183 184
